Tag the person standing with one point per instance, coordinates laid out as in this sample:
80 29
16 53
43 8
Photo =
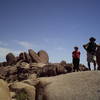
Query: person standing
90 48
76 59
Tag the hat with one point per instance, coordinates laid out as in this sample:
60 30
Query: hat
92 39
75 47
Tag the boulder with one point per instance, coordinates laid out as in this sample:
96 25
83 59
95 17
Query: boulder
3 64
98 57
83 68
51 70
40 65
74 86
27 57
43 56
24 65
8 73
60 69
33 82
22 56
13 95
34 56
47 70
4 91
22 73
68 67
11 59
23 89
63 63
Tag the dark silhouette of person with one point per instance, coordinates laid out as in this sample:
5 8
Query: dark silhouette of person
90 48
76 59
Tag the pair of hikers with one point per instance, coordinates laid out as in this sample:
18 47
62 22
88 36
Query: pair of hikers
90 48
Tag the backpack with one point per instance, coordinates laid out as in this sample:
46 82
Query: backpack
91 48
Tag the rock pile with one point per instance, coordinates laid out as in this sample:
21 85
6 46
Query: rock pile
21 67
24 75
30 57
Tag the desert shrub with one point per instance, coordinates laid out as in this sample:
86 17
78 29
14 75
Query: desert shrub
21 95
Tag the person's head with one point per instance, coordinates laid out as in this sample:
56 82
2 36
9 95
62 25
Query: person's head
76 48
92 39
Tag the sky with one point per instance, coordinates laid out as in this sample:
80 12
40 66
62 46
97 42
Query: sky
55 26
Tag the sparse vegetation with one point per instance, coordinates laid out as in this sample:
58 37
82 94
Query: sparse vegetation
22 95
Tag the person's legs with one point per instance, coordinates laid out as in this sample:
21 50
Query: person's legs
89 65
78 61
74 64
88 60
94 63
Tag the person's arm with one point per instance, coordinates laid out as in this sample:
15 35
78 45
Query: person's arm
85 46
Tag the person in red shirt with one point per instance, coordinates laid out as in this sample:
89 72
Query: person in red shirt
76 59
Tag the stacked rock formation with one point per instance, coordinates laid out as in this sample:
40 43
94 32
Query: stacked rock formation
30 76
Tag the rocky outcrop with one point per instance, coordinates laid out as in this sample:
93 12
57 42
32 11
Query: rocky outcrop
43 56
30 76
52 70
34 56
98 57
4 91
3 64
11 59
27 57
30 57
73 86
8 73
23 56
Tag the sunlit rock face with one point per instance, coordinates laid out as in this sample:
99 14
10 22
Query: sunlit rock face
73 86
4 91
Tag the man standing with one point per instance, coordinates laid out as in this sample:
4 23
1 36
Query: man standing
76 58
91 47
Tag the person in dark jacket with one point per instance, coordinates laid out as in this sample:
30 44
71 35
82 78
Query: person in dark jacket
76 59
90 48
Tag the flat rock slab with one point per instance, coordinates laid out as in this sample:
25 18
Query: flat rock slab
4 91
73 86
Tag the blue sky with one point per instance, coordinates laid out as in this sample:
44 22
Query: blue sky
52 25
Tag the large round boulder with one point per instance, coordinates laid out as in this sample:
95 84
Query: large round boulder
11 59
34 56
4 91
43 56
73 86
